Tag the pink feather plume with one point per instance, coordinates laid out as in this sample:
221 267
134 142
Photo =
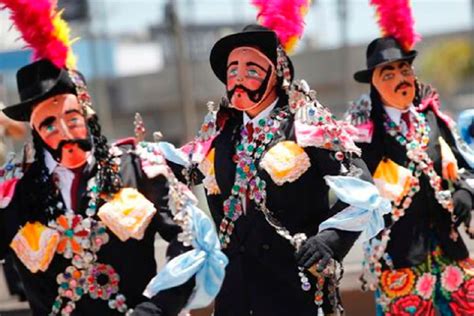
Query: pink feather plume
284 17
395 19
42 28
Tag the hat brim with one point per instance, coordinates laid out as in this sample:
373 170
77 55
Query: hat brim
365 76
22 111
266 41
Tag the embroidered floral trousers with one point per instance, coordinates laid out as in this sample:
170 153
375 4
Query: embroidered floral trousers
437 284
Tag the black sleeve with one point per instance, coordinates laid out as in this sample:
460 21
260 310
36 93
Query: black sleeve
339 241
171 301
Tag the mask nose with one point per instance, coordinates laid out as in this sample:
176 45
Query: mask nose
64 129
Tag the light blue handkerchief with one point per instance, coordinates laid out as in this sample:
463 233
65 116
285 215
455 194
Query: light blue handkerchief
206 261
366 206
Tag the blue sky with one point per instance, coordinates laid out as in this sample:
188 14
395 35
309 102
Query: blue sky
432 16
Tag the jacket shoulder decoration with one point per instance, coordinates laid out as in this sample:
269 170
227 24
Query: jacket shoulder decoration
358 115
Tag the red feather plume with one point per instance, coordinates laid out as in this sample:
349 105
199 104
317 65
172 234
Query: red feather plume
395 19
284 17
42 29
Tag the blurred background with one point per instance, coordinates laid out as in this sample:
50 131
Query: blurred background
151 56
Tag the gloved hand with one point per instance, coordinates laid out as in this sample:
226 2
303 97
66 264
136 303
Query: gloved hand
462 201
314 250
166 303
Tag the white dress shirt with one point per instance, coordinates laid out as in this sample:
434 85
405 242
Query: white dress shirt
266 112
64 176
396 116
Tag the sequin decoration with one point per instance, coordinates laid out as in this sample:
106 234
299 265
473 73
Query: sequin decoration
74 237
247 182
102 281
71 283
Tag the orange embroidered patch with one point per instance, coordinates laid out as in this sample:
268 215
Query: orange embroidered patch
207 168
285 162
128 214
396 283
35 245
392 180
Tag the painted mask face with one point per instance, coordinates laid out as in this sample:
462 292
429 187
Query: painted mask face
251 78
61 125
396 84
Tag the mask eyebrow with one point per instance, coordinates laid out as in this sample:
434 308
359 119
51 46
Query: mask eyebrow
47 121
73 111
385 68
402 65
250 63
232 64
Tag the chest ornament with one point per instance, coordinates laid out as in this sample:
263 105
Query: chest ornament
285 162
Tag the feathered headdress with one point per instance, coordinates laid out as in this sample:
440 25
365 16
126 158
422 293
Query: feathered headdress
285 18
43 30
395 19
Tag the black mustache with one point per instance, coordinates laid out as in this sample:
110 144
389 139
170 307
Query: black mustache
84 144
401 84
253 94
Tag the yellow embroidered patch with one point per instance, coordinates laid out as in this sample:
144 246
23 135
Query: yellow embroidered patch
128 214
285 162
392 180
35 245
449 162
207 168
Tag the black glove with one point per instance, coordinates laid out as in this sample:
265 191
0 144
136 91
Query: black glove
166 303
314 250
462 207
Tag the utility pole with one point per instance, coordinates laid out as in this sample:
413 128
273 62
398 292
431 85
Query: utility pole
185 82
345 62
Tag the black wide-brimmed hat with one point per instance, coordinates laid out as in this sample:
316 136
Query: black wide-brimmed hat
381 51
36 82
252 35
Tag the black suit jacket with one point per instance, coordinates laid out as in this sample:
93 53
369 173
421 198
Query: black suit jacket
262 275
425 221
133 260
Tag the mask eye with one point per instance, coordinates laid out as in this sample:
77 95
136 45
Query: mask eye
50 128
232 72
253 73
388 76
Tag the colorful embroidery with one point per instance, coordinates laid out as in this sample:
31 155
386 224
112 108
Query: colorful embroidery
462 301
35 245
468 266
411 305
397 283
207 169
425 285
285 162
451 278
128 214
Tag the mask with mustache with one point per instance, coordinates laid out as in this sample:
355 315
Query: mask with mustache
254 95
396 86
251 80
84 145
